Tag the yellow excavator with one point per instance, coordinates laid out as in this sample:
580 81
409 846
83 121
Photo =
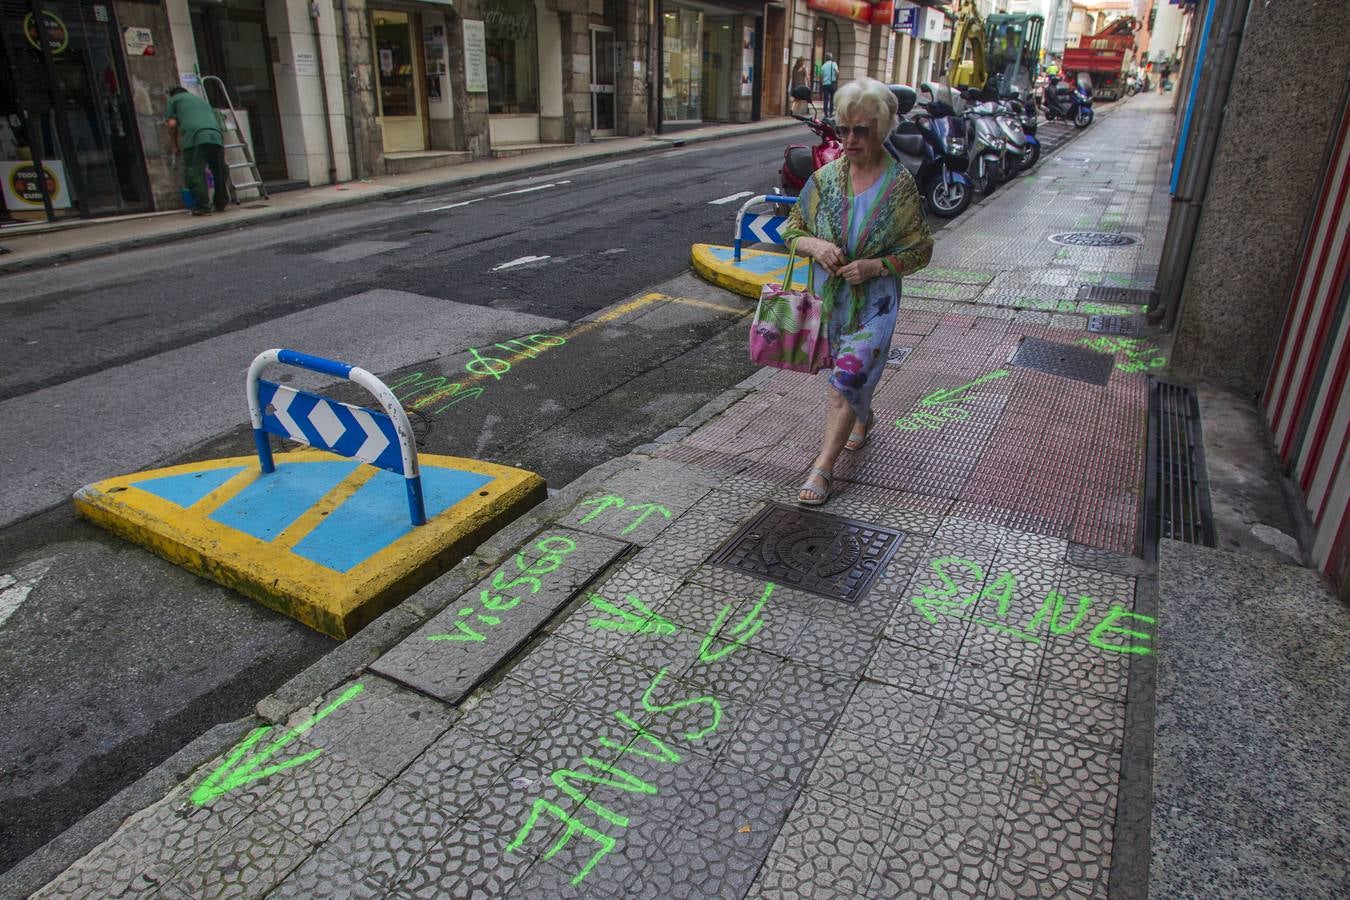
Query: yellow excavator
968 34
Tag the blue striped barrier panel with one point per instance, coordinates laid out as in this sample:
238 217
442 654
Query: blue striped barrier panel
383 439
760 228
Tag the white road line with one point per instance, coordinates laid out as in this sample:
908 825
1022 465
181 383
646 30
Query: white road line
15 588
732 198
537 187
522 261
453 205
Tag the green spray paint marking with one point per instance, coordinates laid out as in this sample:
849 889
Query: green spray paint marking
942 405
643 621
644 744
611 501
739 635
232 773
506 590
949 600
433 389
440 388
1110 309
1138 356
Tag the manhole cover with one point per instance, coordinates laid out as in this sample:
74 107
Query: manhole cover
421 426
1128 325
897 355
1103 294
813 551
1060 359
1093 239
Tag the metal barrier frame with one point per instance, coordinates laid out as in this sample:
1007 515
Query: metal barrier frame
392 408
740 217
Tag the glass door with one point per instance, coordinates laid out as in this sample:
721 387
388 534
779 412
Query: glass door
232 44
681 65
71 108
399 82
603 65
721 51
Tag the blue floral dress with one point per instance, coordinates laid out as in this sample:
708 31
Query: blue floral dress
860 355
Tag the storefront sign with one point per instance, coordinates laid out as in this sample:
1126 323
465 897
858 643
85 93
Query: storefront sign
139 42
22 189
475 57
58 36
932 24
905 18
306 64
857 10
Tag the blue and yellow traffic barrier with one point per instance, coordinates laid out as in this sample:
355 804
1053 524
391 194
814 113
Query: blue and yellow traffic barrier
743 271
315 534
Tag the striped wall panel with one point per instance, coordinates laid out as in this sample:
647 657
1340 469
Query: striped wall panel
1307 395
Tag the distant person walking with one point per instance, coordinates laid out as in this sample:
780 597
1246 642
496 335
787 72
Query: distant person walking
829 80
194 132
1163 84
800 78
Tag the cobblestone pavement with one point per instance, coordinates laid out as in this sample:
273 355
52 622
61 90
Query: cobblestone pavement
611 714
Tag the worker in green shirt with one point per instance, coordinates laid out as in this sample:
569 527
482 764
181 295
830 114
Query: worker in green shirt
194 131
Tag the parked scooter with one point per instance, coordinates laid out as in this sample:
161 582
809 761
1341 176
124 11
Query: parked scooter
1028 118
799 160
919 144
987 143
1069 103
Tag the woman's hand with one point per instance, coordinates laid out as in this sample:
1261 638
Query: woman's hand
830 257
861 270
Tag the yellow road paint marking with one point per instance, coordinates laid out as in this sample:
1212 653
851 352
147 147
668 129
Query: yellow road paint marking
312 517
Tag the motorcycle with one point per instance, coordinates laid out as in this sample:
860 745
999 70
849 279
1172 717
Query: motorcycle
919 143
1028 118
987 142
799 160
1072 104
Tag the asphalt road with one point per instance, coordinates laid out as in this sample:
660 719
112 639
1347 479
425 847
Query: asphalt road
113 659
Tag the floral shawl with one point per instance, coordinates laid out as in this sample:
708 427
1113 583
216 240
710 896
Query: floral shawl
896 232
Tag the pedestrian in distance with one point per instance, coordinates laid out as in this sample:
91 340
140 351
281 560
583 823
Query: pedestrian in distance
800 77
829 80
195 135
860 218
1162 79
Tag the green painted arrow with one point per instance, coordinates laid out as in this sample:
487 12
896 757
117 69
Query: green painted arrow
233 773
953 395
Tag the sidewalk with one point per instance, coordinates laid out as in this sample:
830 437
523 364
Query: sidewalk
592 707
43 244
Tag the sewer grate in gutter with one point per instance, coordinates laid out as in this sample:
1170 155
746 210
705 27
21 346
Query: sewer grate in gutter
1176 485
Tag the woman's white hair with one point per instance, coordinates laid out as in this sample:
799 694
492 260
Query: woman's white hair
867 99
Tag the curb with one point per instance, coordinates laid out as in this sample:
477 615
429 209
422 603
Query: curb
108 248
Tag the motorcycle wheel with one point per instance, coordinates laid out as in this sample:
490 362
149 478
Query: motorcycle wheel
1083 119
1032 157
947 202
986 184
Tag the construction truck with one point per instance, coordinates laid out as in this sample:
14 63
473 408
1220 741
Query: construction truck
1000 53
1102 57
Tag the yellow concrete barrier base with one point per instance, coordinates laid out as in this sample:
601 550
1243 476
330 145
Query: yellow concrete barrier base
717 265
324 539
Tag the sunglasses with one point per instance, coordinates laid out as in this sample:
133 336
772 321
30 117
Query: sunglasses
859 131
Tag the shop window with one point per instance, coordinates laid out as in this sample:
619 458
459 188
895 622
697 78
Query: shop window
512 56
394 58
682 65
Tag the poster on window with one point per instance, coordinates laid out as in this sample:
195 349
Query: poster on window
22 189
747 62
475 57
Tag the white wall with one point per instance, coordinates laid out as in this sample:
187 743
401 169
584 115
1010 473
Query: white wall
299 93
549 35
180 30
1166 30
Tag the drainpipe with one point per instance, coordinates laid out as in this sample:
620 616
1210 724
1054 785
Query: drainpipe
358 164
1191 180
323 92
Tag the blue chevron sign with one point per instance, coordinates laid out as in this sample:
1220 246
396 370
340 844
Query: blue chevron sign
348 430
763 229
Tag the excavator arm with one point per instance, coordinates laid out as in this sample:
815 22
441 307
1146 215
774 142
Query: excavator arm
969 31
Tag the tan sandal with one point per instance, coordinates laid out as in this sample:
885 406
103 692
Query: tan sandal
823 475
856 440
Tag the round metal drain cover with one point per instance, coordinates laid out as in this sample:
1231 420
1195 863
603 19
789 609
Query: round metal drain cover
1093 239
823 554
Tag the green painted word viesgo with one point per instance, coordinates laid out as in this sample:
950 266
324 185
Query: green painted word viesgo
508 589
1114 632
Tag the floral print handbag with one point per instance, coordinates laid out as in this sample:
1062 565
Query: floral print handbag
787 331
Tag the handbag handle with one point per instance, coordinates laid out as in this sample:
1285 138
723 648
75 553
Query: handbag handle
792 260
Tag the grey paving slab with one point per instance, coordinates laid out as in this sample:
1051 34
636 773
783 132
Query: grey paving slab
929 863
471 861
245 863
1048 834
745 675
776 747
984 745
919 669
863 771
812 695
390 834
994 690
897 716
457 771
508 713
837 648
323 874
382 729
733 808
939 797
825 847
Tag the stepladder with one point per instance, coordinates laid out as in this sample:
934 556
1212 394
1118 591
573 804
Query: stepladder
239 159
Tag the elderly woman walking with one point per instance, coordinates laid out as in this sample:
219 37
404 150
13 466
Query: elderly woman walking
861 219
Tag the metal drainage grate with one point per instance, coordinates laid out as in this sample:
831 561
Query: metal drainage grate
1176 489
813 551
1102 294
1127 325
1060 359
897 355
1093 239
